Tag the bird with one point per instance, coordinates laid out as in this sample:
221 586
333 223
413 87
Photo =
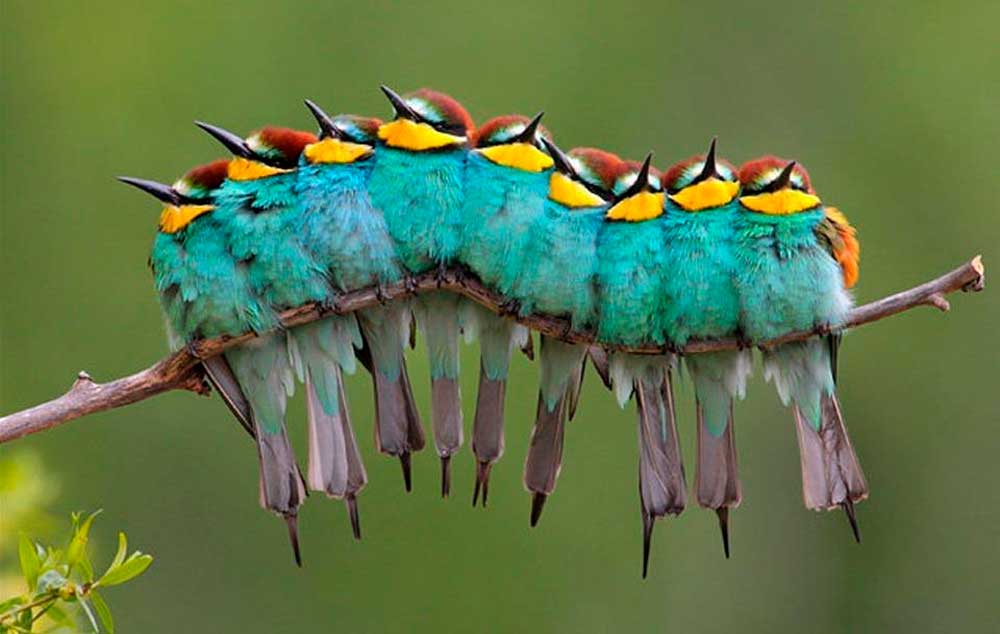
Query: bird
506 185
418 183
559 264
700 300
631 263
206 292
796 261
257 207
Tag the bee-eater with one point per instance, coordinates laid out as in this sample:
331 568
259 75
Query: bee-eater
796 261
632 261
557 278
418 183
700 300
506 183
258 209
206 292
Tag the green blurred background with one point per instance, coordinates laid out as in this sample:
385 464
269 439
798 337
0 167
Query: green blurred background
894 109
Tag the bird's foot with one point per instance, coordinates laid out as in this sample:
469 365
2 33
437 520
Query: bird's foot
381 295
441 274
510 308
410 284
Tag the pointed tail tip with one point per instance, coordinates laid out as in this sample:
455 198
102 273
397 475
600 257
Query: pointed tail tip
482 481
292 521
723 514
848 506
647 541
404 462
537 505
445 476
352 512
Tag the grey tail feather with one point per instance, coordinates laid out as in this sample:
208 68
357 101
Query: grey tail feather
328 461
723 514
647 540
357 477
414 430
831 473
544 461
292 521
575 386
397 421
445 476
487 428
482 481
717 479
281 483
537 504
661 469
221 376
446 407
599 357
848 507
352 513
404 463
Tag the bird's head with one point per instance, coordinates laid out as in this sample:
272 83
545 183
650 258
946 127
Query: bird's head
514 141
576 182
269 151
345 138
425 120
776 187
188 198
637 190
701 182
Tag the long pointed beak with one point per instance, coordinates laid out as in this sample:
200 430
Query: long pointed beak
562 162
232 142
530 130
400 106
326 124
641 182
709 170
781 182
164 193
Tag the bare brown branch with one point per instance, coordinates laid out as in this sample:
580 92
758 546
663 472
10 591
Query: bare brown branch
182 370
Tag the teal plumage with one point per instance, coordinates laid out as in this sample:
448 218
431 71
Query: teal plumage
796 259
418 184
700 300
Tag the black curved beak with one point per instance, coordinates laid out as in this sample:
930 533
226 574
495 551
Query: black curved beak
709 170
326 125
782 181
530 130
233 143
400 106
164 193
559 158
641 182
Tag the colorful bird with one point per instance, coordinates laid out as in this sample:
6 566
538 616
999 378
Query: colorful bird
700 300
559 263
506 183
796 260
418 183
206 292
257 207
631 263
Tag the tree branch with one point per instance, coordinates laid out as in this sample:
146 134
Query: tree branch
182 370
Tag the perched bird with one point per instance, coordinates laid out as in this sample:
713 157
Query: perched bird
206 292
700 300
796 260
559 264
418 183
257 207
632 261
506 184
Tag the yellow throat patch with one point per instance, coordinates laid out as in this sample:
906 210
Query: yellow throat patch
522 156
568 192
332 150
242 169
780 203
410 135
642 206
176 217
707 194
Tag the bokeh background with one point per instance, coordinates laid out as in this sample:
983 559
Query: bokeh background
894 107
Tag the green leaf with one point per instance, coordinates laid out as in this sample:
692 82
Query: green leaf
78 545
103 612
89 613
86 568
131 568
30 562
5 606
60 617
122 551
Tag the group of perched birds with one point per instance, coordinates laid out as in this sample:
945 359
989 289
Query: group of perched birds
702 251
